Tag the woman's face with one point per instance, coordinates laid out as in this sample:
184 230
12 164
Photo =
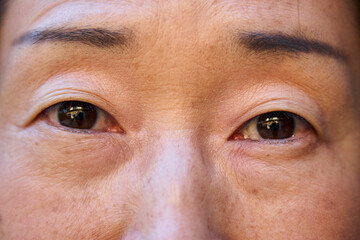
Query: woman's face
179 119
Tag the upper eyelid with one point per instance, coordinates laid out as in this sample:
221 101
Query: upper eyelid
273 96
49 96
56 105
284 112
44 102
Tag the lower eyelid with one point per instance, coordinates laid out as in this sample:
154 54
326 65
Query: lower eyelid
278 151
278 141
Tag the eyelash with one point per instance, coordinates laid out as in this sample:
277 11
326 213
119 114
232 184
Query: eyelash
250 131
68 113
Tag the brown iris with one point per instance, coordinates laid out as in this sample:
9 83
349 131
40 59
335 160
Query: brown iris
80 115
276 125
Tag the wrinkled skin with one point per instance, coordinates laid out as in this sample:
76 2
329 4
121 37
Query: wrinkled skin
179 91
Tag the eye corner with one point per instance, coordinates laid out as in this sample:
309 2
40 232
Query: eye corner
235 137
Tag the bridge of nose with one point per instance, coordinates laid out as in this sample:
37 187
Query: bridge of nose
173 204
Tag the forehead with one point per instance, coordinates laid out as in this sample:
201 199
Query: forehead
290 15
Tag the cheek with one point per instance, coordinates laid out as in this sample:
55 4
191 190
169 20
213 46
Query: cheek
67 157
59 187
78 201
325 207
312 198
56 212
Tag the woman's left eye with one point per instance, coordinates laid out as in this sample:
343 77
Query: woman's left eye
79 116
277 125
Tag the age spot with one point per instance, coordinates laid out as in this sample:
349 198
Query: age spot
255 191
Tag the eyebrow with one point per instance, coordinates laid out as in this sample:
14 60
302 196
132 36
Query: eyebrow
288 45
96 37
257 42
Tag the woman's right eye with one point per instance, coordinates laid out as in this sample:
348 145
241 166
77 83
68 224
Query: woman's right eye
81 116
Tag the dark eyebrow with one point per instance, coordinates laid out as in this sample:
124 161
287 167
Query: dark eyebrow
287 44
96 37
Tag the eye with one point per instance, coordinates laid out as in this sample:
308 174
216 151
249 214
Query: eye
273 126
79 116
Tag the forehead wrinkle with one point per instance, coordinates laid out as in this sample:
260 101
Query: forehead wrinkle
258 5
48 9
43 7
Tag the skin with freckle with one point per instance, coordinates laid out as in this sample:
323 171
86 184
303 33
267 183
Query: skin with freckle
175 152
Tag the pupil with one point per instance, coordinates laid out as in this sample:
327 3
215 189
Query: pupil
78 115
276 125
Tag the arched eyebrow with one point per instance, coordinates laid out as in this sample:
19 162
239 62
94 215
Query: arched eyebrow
283 44
95 37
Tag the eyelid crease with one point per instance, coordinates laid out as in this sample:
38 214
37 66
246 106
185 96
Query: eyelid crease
41 103
86 87
313 117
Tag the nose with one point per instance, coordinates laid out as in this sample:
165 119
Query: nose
173 204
